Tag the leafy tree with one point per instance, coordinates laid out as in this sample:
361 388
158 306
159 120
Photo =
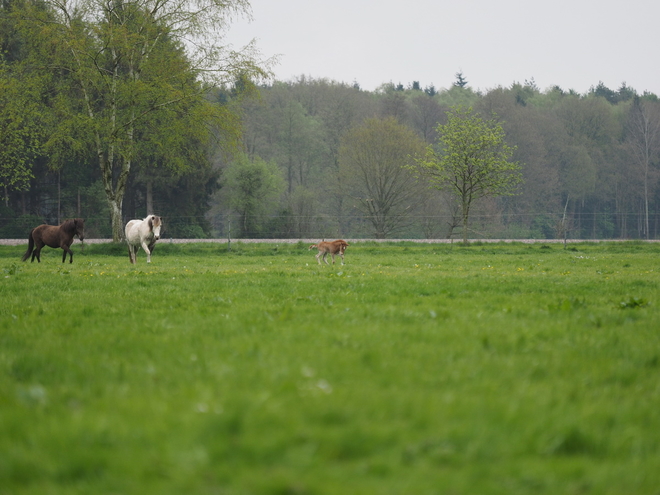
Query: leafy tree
300 144
251 189
127 61
23 121
372 163
626 93
591 132
394 104
524 93
302 204
604 92
457 96
643 141
21 136
299 126
534 132
472 161
425 114
178 141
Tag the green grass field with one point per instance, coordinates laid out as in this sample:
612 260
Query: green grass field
413 369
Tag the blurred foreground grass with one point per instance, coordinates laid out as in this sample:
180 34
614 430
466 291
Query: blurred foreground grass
490 369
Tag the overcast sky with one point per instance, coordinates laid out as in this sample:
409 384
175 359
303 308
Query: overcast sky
570 43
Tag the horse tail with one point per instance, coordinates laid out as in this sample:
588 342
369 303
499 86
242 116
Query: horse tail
30 247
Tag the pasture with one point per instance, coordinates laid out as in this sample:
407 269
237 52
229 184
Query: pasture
413 369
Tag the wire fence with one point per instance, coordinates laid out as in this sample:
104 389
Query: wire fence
278 227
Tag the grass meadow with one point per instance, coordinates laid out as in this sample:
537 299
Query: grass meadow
413 369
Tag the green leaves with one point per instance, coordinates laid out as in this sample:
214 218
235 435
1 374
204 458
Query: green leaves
252 187
475 156
472 160
21 134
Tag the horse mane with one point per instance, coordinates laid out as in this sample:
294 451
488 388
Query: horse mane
68 225
154 221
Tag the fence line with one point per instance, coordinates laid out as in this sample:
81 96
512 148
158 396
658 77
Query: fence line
583 225
221 240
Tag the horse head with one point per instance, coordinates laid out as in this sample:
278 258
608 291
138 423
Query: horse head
155 223
79 227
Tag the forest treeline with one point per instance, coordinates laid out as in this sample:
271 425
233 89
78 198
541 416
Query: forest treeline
590 162
301 158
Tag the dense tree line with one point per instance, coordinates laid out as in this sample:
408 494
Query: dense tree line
590 162
112 109
106 114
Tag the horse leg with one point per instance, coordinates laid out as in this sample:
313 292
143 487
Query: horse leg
146 250
38 244
325 258
67 249
131 254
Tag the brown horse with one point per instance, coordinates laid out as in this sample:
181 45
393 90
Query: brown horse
55 237
332 248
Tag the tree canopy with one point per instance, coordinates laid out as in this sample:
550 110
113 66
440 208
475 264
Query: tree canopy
472 161
109 111
126 74
372 162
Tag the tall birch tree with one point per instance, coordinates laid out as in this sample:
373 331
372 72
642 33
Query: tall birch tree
113 51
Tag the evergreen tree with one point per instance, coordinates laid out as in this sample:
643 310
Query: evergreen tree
460 82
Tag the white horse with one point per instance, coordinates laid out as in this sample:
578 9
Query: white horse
143 233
